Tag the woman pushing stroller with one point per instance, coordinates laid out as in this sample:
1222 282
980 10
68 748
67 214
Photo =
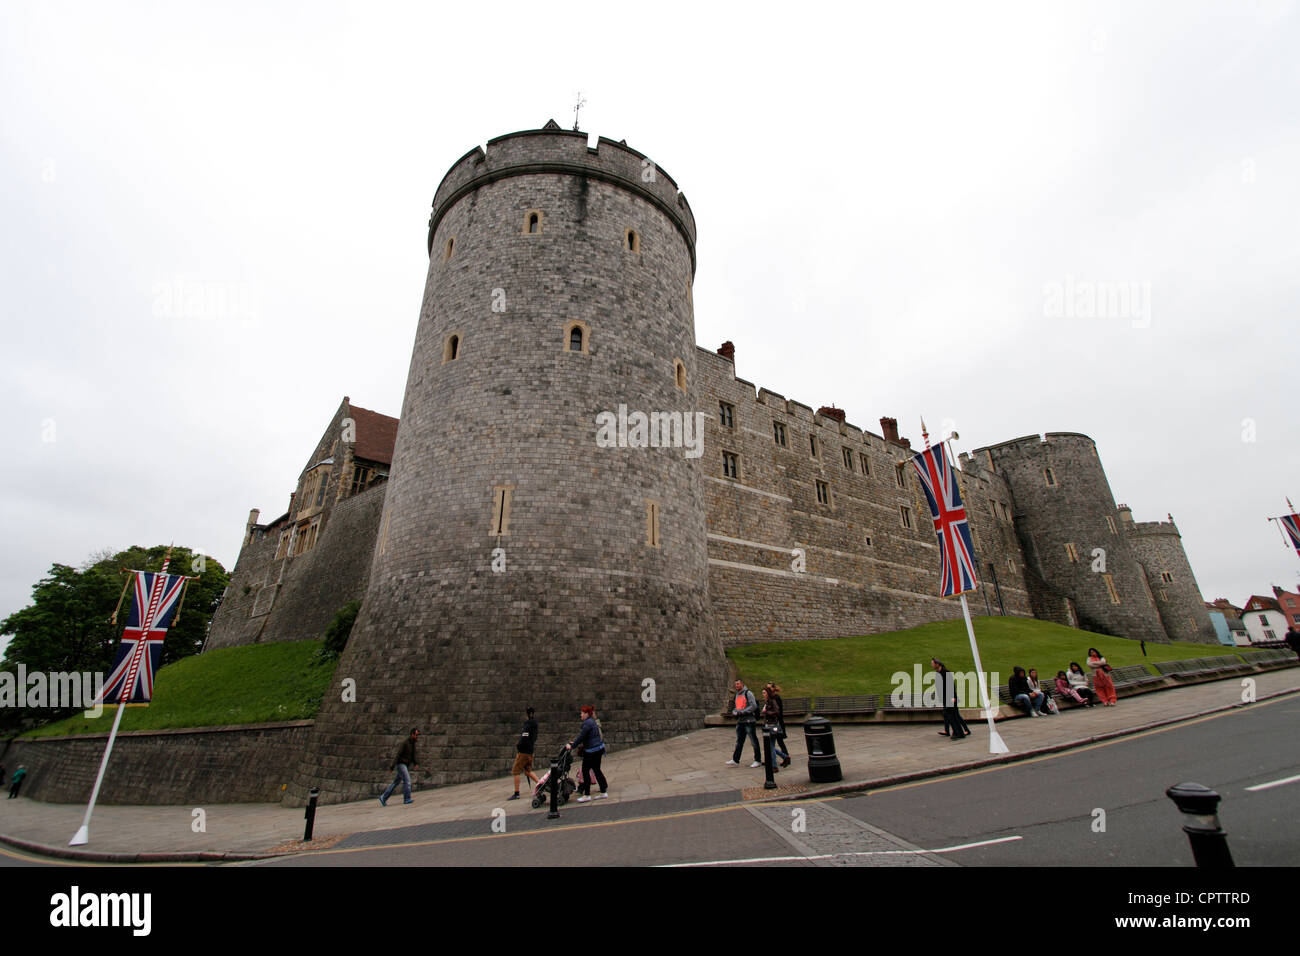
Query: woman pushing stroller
592 747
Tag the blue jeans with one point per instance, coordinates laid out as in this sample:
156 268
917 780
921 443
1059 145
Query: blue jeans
778 747
1038 703
742 728
404 778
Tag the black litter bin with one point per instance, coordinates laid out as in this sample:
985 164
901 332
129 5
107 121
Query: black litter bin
823 765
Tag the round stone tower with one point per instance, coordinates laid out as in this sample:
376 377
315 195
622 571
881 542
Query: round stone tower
1072 536
535 550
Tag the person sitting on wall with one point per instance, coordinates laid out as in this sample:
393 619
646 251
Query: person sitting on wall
1023 696
1079 683
1069 693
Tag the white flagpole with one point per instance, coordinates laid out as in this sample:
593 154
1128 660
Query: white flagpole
996 744
82 836
124 693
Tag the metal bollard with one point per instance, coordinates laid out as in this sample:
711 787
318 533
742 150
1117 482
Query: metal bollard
1209 842
553 784
314 794
769 783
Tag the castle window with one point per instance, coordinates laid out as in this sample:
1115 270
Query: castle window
778 432
848 457
283 547
898 474
1049 477
1011 565
726 414
652 523
679 373
632 240
1166 577
1164 595
730 469
451 349
447 249
866 465
324 486
823 493
1071 552
1110 588
868 540
533 222
905 514
1110 523
812 444
360 478
501 495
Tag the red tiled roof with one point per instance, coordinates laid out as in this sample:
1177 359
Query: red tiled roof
376 435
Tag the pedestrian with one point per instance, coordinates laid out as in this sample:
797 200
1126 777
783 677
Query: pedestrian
745 710
1292 641
592 745
524 753
1101 681
954 725
774 717
403 763
17 782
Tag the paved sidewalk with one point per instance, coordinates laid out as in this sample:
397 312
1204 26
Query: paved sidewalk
691 765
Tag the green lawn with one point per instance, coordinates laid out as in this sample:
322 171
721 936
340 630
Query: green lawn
235 685
864 665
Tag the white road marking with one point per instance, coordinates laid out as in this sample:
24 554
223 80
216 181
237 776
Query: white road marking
832 856
1275 783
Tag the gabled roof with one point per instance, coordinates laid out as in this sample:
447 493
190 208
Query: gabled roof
376 435
1259 603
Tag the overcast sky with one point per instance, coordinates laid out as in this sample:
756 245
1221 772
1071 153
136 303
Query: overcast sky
213 218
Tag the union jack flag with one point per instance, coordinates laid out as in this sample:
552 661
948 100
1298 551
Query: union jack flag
154 597
939 481
1291 524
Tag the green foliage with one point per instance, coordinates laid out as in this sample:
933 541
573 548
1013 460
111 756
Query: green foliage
864 665
67 626
234 685
336 635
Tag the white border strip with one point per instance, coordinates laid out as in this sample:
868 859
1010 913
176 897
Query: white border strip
1275 783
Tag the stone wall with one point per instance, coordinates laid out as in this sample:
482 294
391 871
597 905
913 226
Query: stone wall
1159 548
295 598
1070 532
246 764
867 565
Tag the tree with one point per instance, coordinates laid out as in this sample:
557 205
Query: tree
66 627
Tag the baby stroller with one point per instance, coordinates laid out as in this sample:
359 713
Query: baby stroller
542 792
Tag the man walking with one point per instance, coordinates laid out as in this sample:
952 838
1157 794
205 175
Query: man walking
745 710
1293 639
17 782
405 759
524 753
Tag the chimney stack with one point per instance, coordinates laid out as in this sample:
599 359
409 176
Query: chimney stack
889 428
728 351
832 412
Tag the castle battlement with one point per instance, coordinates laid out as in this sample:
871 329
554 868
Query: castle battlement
557 151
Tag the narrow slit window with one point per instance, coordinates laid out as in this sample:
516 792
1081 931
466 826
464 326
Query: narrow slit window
730 467
451 351
823 493
652 523
501 495
778 433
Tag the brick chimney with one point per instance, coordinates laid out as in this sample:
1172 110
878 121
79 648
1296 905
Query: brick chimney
832 412
252 520
889 428
728 351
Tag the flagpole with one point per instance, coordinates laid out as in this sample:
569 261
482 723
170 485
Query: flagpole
82 836
996 744
124 694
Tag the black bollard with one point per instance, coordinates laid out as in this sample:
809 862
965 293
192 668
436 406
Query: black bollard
1209 842
553 784
314 793
769 783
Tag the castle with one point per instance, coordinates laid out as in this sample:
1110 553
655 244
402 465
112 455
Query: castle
506 557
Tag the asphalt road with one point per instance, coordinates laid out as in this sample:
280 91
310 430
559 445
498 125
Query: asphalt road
1102 805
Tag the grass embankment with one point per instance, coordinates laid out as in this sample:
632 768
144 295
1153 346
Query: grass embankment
864 665
235 685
